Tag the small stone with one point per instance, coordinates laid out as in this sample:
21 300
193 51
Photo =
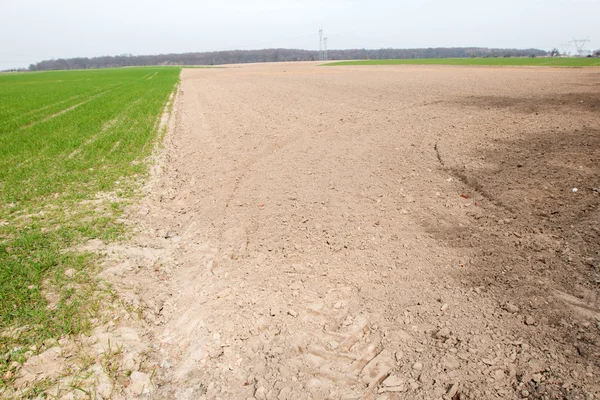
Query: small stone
398 355
417 366
260 393
292 313
51 342
140 383
498 374
453 390
583 351
216 353
297 285
426 380
377 369
444 307
339 304
525 393
529 320
450 363
443 333
285 393
313 384
575 374
70 273
511 308
537 378
393 380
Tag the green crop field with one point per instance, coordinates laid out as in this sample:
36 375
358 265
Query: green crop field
73 147
509 61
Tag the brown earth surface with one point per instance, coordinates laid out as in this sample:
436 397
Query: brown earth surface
372 232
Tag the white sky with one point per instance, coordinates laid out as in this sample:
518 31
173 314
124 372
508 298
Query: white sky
34 30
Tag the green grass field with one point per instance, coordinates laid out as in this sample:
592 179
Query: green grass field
73 147
509 61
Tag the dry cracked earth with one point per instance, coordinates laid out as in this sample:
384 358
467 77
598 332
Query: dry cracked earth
372 232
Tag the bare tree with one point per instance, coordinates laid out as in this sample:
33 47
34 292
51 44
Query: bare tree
253 56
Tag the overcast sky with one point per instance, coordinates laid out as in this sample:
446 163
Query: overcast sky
34 30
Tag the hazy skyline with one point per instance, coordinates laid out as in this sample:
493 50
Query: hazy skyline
37 30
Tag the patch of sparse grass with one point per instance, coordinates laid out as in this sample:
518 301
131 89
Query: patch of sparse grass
111 362
489 61
73 146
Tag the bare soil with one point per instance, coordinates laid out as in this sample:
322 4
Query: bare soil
401 232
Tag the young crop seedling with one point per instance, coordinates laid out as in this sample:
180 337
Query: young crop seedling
74 147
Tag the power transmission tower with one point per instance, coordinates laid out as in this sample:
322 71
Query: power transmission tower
565 49
579 46
320 44
325 49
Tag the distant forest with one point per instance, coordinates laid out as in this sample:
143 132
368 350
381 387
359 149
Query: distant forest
275 55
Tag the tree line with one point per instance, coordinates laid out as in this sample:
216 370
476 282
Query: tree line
274 55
